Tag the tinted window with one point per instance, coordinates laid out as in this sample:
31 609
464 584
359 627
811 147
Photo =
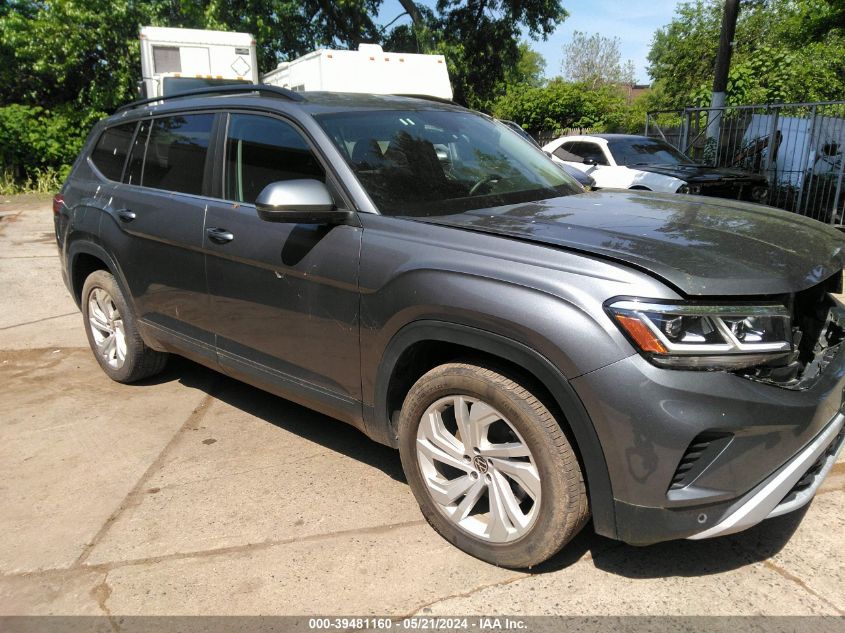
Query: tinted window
176 85
176 151
111 150
563 152
639 150
440 162
585 149
261 150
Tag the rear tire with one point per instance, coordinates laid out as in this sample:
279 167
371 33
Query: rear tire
507 489
113 334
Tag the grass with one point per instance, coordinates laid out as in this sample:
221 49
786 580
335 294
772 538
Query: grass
41 181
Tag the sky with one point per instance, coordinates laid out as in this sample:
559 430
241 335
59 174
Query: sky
633 22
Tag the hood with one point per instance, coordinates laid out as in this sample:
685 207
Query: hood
701 246
702 173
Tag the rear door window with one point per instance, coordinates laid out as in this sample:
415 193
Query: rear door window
176 152
109 154
261 150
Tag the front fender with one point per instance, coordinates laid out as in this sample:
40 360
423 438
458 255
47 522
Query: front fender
588 445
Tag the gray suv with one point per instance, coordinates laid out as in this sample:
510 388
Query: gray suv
670 366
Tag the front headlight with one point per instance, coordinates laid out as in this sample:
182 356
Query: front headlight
688 188
687 336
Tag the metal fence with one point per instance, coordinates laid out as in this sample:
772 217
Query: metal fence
799 147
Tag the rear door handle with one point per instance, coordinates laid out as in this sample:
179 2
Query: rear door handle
220 236
126 215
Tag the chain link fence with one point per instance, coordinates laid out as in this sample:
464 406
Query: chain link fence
799 147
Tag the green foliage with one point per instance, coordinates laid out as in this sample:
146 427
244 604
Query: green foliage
528 70
35 141
41 181
785 50
64 63
86 51
632 120
563 105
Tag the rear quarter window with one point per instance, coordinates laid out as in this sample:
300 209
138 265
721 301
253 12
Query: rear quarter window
110 152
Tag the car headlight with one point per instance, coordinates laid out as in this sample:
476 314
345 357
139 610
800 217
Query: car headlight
760 193
688 336
690 189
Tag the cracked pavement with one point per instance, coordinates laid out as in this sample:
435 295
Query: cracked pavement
192 493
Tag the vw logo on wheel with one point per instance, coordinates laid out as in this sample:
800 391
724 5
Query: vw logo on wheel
480 464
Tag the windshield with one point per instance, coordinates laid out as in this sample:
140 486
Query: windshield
639 150
441 162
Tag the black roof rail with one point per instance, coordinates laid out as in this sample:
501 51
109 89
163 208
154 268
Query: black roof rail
273 91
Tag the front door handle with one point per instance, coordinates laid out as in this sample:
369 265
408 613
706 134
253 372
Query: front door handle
220 236
126 215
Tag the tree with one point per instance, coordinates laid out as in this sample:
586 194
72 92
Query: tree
480 39
595 60
65 63
562 105
528 70
785 50
60 51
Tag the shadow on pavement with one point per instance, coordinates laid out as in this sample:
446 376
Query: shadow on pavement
674 558
681 557
316 427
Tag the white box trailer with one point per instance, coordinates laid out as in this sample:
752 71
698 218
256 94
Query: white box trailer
176 60
805 148
368 70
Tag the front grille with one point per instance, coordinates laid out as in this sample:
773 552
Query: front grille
709 444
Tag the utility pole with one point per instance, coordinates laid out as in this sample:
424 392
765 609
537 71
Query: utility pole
723 66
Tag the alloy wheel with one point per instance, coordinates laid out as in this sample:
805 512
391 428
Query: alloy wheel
107 328
478 469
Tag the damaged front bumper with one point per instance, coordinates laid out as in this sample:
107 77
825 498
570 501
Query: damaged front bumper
788 489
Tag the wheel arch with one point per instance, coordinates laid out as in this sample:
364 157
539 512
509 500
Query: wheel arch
443 341
84 257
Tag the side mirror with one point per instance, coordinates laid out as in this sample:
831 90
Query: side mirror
590 161
141 88
299 201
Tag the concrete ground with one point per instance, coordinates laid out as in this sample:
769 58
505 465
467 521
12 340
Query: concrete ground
195 494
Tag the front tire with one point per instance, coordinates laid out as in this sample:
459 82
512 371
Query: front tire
490 466
112 333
